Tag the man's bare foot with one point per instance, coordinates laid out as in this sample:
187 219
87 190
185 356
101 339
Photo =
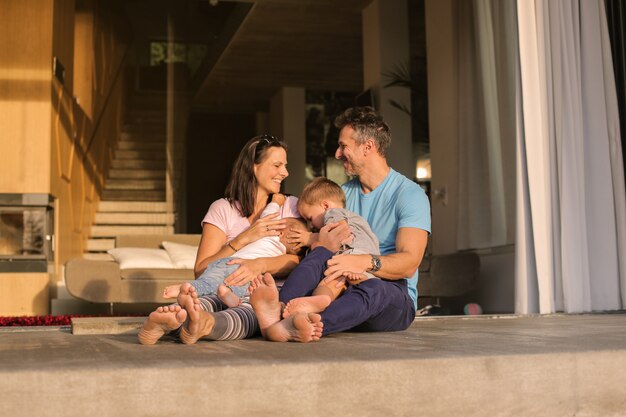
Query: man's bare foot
162 320
264 300
171 291
312 304
227 296
200 322
300 327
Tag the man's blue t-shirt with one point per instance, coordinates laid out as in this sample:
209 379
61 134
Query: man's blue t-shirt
397 202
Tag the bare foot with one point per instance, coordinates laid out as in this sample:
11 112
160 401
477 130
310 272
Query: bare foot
162 320
200 322
171 291
301 328
227 296
312 304
264 300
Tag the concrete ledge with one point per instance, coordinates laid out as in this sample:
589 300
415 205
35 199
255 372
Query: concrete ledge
106 325
519 366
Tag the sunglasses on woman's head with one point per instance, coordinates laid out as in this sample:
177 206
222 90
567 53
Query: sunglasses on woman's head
269 139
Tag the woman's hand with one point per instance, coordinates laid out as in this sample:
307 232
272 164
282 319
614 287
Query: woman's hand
299 238
247 271
269 225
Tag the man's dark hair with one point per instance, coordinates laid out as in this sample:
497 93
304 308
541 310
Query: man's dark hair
242 185
367 124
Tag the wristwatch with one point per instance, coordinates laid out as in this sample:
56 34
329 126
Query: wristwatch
376 263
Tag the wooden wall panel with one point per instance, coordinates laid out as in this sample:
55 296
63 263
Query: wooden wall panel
84 133
25 63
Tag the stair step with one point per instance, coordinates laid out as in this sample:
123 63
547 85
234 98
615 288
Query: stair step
138 164
130 195
137 174
132 206
112 231
140 155
97 256
134 218
138 145
135 134
134 184
100 245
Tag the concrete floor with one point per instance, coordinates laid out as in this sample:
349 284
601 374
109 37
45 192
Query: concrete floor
561 365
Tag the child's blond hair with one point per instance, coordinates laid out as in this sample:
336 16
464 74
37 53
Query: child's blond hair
321 188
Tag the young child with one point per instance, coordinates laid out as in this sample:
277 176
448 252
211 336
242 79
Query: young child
212 279
322 201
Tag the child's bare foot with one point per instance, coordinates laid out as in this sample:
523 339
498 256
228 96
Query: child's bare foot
227 296
200 322
355 278
264 300
312 304
171 291
300 327
162 320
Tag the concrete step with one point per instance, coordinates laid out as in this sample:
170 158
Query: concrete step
100 245
137 173
138 164
133 195
134 218
138 145
132 206
97 256
134 184
140 155
111 231
516 366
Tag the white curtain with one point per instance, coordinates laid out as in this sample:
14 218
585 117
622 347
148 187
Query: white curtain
487 62
571 204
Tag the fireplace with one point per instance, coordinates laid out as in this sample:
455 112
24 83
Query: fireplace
26 232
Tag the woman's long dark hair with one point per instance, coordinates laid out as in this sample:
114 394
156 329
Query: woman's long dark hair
242 186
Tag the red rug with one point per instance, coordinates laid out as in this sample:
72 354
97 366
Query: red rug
64 320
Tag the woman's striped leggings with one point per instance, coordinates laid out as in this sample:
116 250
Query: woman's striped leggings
230 323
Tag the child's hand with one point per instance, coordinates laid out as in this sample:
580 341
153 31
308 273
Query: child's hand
300 238
171 291
278 198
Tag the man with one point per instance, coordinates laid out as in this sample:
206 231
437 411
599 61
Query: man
398 212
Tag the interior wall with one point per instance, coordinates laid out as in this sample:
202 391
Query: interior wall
495 289
213 143
25 63
82 145
287 121
443 121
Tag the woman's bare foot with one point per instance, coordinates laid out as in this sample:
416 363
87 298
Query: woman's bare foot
264 300
162 320
227 296
171 291
312 304
200 322
300 327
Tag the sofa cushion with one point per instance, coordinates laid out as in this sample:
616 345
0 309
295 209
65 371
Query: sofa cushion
157 274
141 258
182 256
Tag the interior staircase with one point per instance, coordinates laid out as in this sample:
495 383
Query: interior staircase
133 198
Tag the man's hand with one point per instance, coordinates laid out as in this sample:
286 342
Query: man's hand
247 271
333 235
345 266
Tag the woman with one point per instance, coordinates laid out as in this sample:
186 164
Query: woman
231 223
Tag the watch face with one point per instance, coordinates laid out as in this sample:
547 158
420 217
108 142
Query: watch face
376 264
